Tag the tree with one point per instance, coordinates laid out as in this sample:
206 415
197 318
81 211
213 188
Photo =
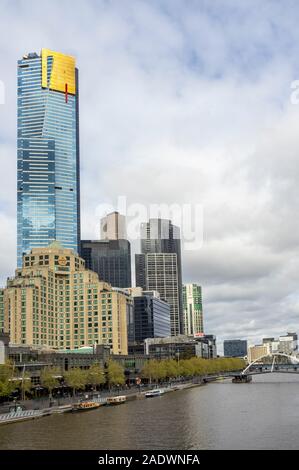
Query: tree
7 382
154 370
76 379
24 384
171 369
115 374
49 378
187 368
195 366
96 375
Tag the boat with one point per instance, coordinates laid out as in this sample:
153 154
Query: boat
242 379
85 406
154 393
116 400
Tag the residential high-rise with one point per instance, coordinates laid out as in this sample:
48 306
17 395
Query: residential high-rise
48 152
158 267
235 348
257 352
53 301
193 316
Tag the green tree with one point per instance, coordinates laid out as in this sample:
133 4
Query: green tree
7 382
24 384
76 378
154 370
115 374
187 368
172 369
49 378
96 375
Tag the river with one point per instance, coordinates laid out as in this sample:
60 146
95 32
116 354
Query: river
261 415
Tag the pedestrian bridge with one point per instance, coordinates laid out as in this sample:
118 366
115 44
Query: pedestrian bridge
275 365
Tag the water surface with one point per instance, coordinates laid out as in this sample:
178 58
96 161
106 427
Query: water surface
260 415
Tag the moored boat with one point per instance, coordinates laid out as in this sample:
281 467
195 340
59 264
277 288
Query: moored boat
116 400
85 406
154 393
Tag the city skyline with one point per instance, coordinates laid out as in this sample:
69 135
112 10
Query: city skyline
245 179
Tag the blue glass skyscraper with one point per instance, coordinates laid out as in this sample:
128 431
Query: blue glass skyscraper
48 182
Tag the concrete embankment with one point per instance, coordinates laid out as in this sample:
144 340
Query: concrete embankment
19 416
25 415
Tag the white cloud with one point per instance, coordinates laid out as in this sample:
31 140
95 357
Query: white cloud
181 105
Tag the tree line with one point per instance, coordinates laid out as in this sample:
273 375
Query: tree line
114 374
157 371
52 377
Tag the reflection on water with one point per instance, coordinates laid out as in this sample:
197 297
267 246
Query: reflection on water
262 415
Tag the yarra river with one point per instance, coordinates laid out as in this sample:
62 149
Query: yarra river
222 415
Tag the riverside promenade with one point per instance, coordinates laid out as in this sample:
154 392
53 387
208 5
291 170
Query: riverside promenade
39 411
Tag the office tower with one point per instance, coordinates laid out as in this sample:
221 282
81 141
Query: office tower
158 267
111 259
113 227
235 348
151 316
48 152
111 256
192 302
53 301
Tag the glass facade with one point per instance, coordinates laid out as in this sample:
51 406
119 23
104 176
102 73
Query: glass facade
151 318
235 348
111 259
48 153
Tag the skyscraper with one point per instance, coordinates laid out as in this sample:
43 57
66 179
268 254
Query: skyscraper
193 317
110 257
151 316
158 267
113 227
48 152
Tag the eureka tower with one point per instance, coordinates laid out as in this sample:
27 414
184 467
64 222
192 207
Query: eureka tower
48 181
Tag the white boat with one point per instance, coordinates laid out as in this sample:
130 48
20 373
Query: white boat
154 393
116 400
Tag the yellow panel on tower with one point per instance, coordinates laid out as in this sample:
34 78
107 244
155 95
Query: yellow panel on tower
63 75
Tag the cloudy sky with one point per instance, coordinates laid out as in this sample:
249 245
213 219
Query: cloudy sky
183 102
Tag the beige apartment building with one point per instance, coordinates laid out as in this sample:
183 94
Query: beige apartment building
257 352
54 302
